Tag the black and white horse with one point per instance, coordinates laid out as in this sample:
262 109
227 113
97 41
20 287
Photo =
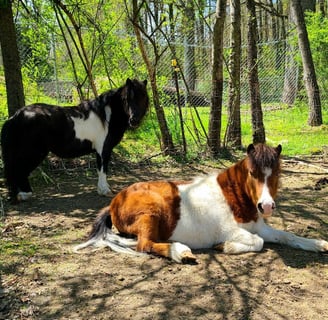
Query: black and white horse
93 126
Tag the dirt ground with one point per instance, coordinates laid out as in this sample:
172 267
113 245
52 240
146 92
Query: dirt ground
42 279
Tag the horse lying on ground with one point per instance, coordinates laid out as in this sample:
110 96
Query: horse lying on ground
224 211
93 126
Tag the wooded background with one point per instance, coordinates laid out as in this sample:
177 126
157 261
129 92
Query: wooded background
230 56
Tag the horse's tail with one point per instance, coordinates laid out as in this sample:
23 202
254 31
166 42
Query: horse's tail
101 236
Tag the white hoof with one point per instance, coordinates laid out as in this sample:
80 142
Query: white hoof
181 253
104 191
322 246
23 196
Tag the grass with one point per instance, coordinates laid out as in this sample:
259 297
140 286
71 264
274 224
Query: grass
283 125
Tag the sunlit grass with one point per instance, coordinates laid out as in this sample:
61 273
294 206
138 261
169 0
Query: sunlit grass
283 125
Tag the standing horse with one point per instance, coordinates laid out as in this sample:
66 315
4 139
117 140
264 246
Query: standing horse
223 211
93 126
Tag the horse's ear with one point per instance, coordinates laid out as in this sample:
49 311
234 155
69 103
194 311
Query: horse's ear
278 149
250 148
145 82
128 82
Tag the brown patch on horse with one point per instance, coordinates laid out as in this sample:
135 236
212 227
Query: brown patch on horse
150 211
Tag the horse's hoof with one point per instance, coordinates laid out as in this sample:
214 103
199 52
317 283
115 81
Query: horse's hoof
324 246
219 247
188 258
23 196
105 193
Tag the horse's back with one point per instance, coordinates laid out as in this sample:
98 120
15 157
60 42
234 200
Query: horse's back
34 120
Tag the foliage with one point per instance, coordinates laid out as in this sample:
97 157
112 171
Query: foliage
317 27
110 45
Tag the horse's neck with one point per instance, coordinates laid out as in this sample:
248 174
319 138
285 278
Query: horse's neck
233 183
234 175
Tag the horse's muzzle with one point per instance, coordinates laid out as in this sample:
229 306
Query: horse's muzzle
266 208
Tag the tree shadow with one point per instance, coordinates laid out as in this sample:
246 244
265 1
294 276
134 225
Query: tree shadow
105 284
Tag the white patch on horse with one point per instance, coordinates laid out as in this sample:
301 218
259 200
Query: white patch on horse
29 114
94 130
91 129
266 199
206 218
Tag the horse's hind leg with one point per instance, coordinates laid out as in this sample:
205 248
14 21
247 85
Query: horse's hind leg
148 237
24 190
20 177
17 182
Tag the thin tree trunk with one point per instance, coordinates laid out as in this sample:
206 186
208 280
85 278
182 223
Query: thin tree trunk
310 79
83 54
189 46
167 142
233 135
253 80
11 60
214 134
59 15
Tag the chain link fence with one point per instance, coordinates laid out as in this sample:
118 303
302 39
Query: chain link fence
272 64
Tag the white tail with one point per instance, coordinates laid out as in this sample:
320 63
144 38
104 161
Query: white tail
111 240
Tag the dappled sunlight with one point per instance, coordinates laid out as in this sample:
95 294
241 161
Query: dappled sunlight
41 274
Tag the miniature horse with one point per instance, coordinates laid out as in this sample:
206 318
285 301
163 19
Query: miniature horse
223 211
93 126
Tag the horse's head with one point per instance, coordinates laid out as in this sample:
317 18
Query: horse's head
136 101
263 164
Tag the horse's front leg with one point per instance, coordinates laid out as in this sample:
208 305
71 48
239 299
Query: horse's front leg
272 235
240 241
102 167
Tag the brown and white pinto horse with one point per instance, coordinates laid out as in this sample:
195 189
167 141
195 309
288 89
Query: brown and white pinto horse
224 211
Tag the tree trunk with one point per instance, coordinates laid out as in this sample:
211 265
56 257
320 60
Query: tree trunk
217 78
189 46
322 7
253 80
81 50
11 60
291 77
310 79
167 145
233 135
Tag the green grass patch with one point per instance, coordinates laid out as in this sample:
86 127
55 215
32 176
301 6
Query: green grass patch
283 125
18 247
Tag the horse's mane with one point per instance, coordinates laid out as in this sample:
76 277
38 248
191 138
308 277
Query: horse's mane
262 156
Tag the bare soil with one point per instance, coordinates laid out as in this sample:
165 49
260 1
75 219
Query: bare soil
42 279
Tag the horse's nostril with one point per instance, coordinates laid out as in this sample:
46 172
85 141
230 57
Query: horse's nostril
259 206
